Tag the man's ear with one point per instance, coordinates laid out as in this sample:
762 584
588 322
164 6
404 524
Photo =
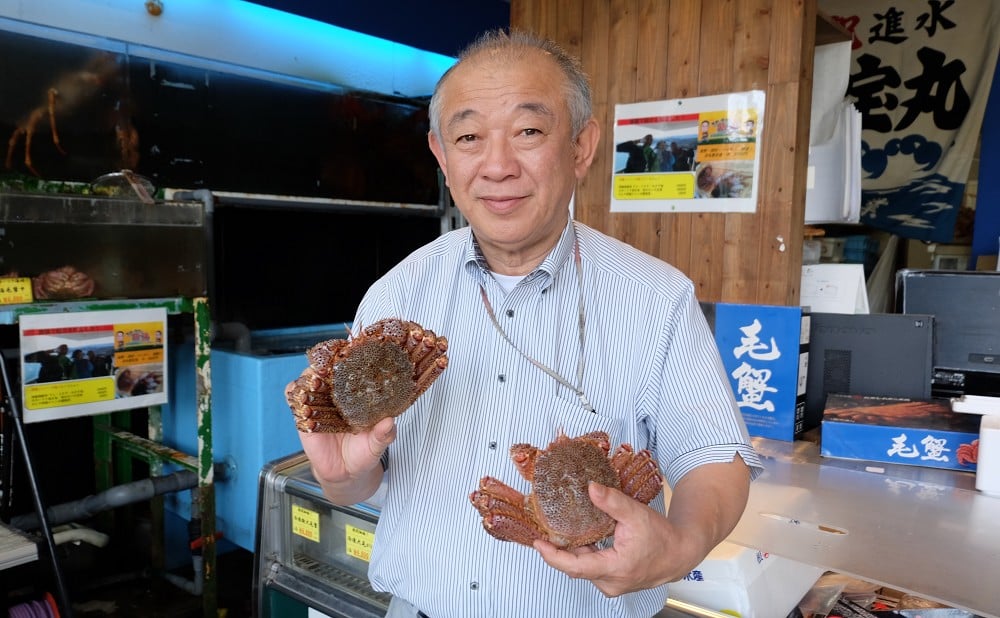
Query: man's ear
438 150
586 146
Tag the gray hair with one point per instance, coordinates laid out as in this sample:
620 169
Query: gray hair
514 46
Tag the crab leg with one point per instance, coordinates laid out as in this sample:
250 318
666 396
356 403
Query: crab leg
639 475
504 515
423 359
427 377
523 455
53 93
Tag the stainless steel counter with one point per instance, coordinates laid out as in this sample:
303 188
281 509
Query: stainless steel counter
923 530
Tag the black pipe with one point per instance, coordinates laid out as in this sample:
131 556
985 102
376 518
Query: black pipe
119 495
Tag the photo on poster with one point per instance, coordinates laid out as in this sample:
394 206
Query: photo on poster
688 155
80 364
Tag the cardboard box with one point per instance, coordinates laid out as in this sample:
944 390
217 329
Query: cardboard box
765 352
915 432
746 582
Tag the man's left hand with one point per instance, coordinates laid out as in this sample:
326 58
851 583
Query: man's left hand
646 551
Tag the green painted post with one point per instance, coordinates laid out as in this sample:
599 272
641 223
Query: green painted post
206 493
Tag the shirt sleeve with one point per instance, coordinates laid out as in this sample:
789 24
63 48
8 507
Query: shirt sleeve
694 415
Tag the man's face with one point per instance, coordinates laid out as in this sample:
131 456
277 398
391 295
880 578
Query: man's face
508 153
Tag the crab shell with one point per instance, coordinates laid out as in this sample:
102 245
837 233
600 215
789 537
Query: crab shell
558 508
350 385
65 283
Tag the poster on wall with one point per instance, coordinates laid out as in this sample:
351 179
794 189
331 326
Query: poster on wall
80 364
688 155
920 75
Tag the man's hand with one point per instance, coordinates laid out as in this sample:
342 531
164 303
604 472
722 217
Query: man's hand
346 465
646 551
650 549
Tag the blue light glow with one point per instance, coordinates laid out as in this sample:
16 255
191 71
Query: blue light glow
241 34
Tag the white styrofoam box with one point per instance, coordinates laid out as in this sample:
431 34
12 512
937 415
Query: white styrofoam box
746 582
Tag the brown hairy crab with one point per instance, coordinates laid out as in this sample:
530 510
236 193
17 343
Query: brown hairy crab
352 384
558 508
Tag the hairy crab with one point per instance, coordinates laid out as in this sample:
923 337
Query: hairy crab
352 384
65 283
559 509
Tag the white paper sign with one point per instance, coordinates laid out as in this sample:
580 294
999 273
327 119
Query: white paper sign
80 364
834 288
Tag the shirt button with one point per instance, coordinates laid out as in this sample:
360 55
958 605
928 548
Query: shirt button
473 585
493 446
510 313
502 378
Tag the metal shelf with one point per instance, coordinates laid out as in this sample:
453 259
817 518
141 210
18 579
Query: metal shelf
107 437
68 208
9 314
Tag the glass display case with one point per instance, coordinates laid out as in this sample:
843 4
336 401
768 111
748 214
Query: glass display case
126 248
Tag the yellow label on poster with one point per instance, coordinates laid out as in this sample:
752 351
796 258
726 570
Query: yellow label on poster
73 392
359 542
305 523
676 185
733 151
138 357
15 290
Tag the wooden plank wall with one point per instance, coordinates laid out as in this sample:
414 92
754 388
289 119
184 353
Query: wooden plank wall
647 50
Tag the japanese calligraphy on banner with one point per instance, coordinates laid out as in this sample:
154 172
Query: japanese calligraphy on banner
78 364
920 73
671 154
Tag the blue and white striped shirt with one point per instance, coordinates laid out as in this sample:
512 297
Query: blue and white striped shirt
653 374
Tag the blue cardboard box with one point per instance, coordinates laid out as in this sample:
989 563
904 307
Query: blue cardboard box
915 432
764 349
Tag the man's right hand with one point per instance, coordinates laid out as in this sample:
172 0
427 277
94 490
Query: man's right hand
348 466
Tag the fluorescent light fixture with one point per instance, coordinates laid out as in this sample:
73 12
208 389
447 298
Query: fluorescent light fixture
236 36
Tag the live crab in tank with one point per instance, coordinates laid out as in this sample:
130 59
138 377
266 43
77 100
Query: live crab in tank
352 384
558 508
65 283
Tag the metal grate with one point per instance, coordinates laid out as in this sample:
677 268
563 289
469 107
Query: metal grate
340 579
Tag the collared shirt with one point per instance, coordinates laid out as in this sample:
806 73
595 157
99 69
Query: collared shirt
652 373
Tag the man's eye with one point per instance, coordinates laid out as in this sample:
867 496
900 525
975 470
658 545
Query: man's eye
531 132
466 139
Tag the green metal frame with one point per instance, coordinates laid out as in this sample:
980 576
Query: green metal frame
108 436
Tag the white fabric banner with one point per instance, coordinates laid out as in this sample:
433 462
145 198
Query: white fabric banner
921 72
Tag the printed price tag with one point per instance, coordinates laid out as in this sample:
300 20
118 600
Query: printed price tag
305 523
15 290
359 542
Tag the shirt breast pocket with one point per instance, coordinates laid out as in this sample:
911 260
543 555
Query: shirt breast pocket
568 415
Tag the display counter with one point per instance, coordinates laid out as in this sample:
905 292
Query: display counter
921 530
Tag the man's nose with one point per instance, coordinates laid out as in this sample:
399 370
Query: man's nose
499 159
